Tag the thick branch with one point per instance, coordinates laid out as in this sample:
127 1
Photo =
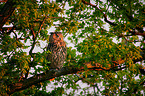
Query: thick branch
6 12
4 1
52 73
41 77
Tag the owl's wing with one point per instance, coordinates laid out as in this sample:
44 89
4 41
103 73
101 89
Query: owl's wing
65 51
51 47
49 53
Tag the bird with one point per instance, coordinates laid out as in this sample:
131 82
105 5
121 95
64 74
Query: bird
58 50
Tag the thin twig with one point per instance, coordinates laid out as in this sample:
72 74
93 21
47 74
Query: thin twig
104 15
34 41
130 40
42 24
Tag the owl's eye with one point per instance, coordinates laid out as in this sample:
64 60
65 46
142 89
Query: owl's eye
57 35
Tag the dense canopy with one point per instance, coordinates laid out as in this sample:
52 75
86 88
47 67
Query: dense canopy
106 55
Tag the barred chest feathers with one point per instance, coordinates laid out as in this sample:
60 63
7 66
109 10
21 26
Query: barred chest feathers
58 50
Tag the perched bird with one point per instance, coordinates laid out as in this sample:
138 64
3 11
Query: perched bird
58 50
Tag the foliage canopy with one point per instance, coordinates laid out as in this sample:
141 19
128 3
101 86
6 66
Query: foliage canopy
109 52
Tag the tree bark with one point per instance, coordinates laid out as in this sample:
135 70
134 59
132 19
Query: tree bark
52 73
6 12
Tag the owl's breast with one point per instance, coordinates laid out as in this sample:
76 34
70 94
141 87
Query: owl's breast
57 55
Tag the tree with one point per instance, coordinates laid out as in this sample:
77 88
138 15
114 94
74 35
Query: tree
97 59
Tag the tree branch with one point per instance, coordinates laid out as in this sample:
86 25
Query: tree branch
41 77
132 33
42 24
128 14
136 33
4 1
104 15
34 41
52 73
10 28
6 12
35 36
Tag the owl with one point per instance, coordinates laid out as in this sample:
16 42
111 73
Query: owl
58 50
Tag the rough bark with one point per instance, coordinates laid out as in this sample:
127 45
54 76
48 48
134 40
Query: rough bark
6 12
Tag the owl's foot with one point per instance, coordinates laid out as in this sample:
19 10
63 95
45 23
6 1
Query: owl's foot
55 68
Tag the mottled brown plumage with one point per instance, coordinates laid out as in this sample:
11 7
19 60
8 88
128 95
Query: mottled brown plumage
58 50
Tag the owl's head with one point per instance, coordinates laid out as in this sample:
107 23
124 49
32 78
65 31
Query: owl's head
56 37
